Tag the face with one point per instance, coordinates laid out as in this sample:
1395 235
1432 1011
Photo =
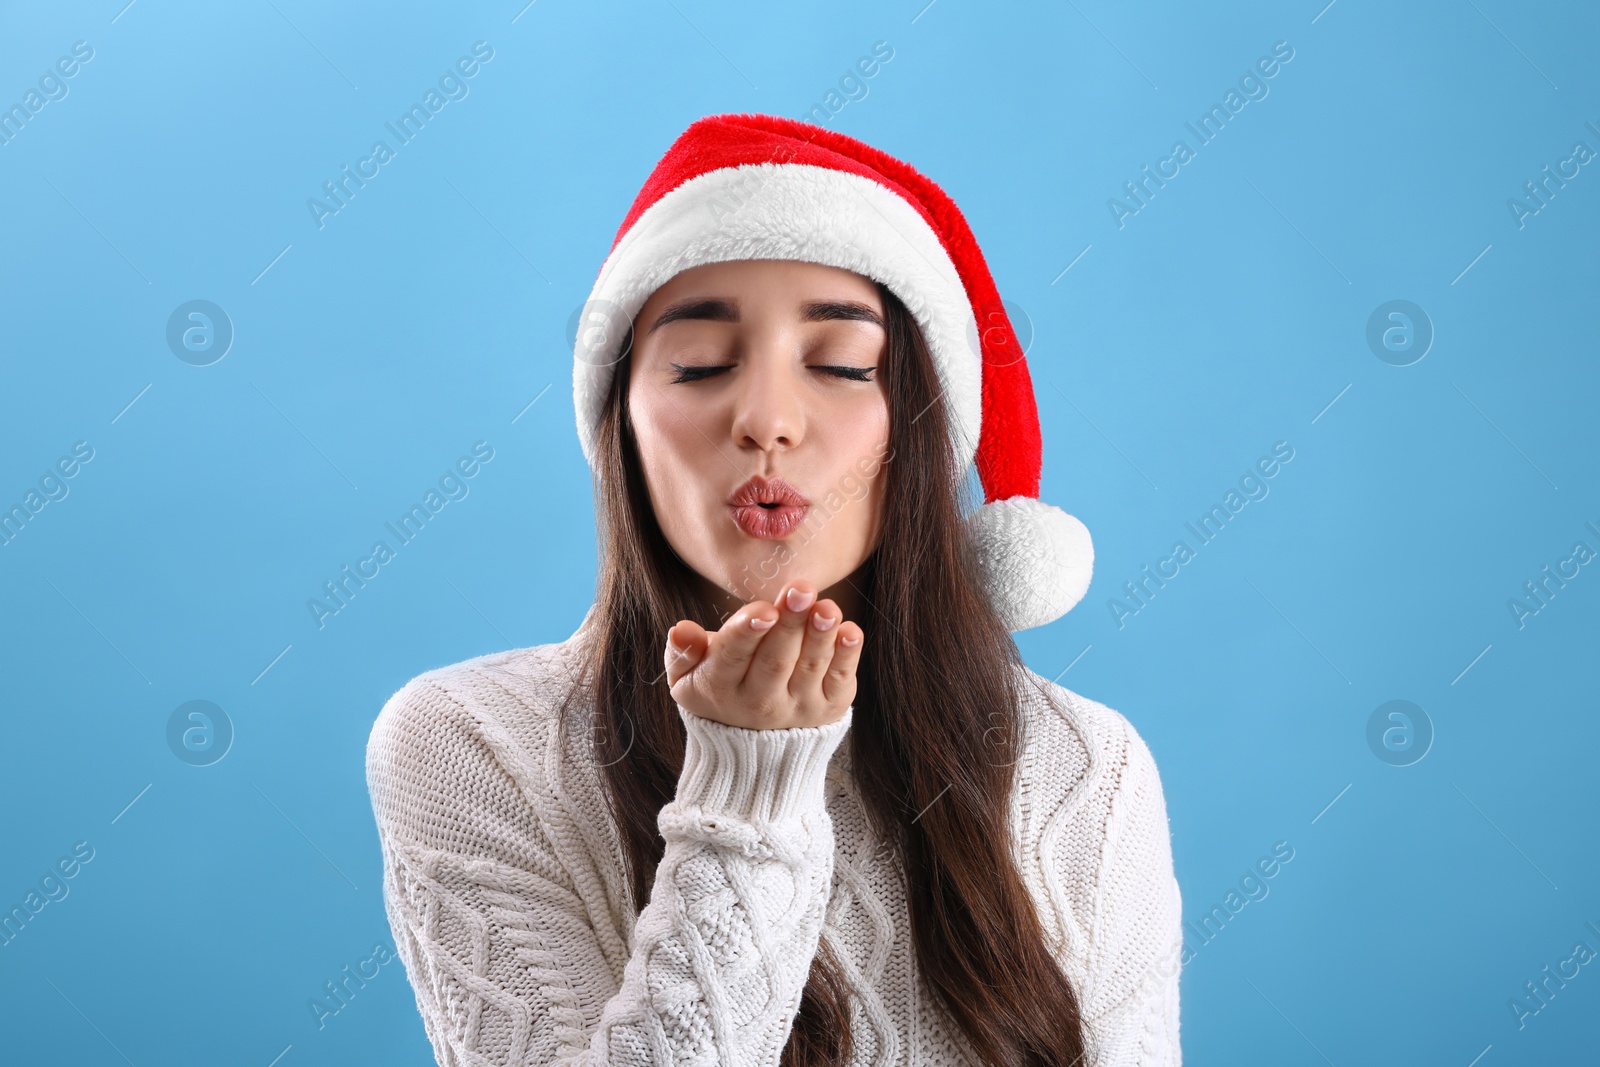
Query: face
764 370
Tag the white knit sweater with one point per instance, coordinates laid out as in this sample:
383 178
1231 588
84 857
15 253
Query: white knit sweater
504 886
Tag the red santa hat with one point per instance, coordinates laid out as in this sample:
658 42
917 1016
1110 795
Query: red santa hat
764 187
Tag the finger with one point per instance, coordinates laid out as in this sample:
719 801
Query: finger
773 662
839 684
733 646
687 643
816 651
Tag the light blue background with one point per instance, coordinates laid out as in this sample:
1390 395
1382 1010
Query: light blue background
1228 314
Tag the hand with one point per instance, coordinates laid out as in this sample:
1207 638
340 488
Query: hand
788 673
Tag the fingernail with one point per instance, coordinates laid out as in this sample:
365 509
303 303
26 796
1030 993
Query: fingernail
851 641
672 639
799 601
823 622
759 624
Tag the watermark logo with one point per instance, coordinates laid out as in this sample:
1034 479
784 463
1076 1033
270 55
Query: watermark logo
340 992
1541 192
1253 86
1536 998
199 333
852 84
452 86
199 733
1138 593
599 333
52 487
1399 733
1252 887
339 591
51 888
988 340
595 736
1399 332
1021 325
52 87
1539 592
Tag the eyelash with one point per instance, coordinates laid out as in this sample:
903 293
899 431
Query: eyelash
695 374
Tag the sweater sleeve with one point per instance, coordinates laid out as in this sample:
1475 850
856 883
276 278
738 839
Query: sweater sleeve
1135 919
513 953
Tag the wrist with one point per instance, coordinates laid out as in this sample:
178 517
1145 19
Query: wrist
757 775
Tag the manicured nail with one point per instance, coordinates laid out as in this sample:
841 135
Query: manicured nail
799 601
848 640
822 622
760 625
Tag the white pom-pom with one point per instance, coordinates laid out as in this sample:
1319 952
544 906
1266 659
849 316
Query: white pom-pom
1036 559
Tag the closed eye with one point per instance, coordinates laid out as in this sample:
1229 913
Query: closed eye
695 374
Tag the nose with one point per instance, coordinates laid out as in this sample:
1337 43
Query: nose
768 412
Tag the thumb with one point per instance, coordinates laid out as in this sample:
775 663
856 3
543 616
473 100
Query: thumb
686 646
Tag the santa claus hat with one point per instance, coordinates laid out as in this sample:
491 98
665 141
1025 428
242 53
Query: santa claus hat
764 187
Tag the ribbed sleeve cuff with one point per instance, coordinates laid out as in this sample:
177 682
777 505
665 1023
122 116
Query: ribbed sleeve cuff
757 775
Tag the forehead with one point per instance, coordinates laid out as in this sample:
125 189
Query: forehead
765 283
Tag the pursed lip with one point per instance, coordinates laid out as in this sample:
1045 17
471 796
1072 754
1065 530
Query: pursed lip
771 491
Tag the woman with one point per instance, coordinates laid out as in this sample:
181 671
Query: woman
789 794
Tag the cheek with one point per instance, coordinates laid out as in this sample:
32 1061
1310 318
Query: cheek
661 431
671 454
857 454
867 437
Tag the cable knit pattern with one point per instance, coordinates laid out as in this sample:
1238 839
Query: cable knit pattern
504 885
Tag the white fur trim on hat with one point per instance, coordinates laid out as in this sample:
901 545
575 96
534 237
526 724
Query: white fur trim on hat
1036 559
784 211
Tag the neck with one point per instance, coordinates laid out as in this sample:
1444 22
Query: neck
848 594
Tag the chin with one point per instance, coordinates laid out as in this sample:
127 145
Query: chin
750 568
751 572
757 573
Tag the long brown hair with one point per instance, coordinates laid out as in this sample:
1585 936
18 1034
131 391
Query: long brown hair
933 765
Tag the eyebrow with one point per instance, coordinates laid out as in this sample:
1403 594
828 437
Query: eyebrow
717 309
